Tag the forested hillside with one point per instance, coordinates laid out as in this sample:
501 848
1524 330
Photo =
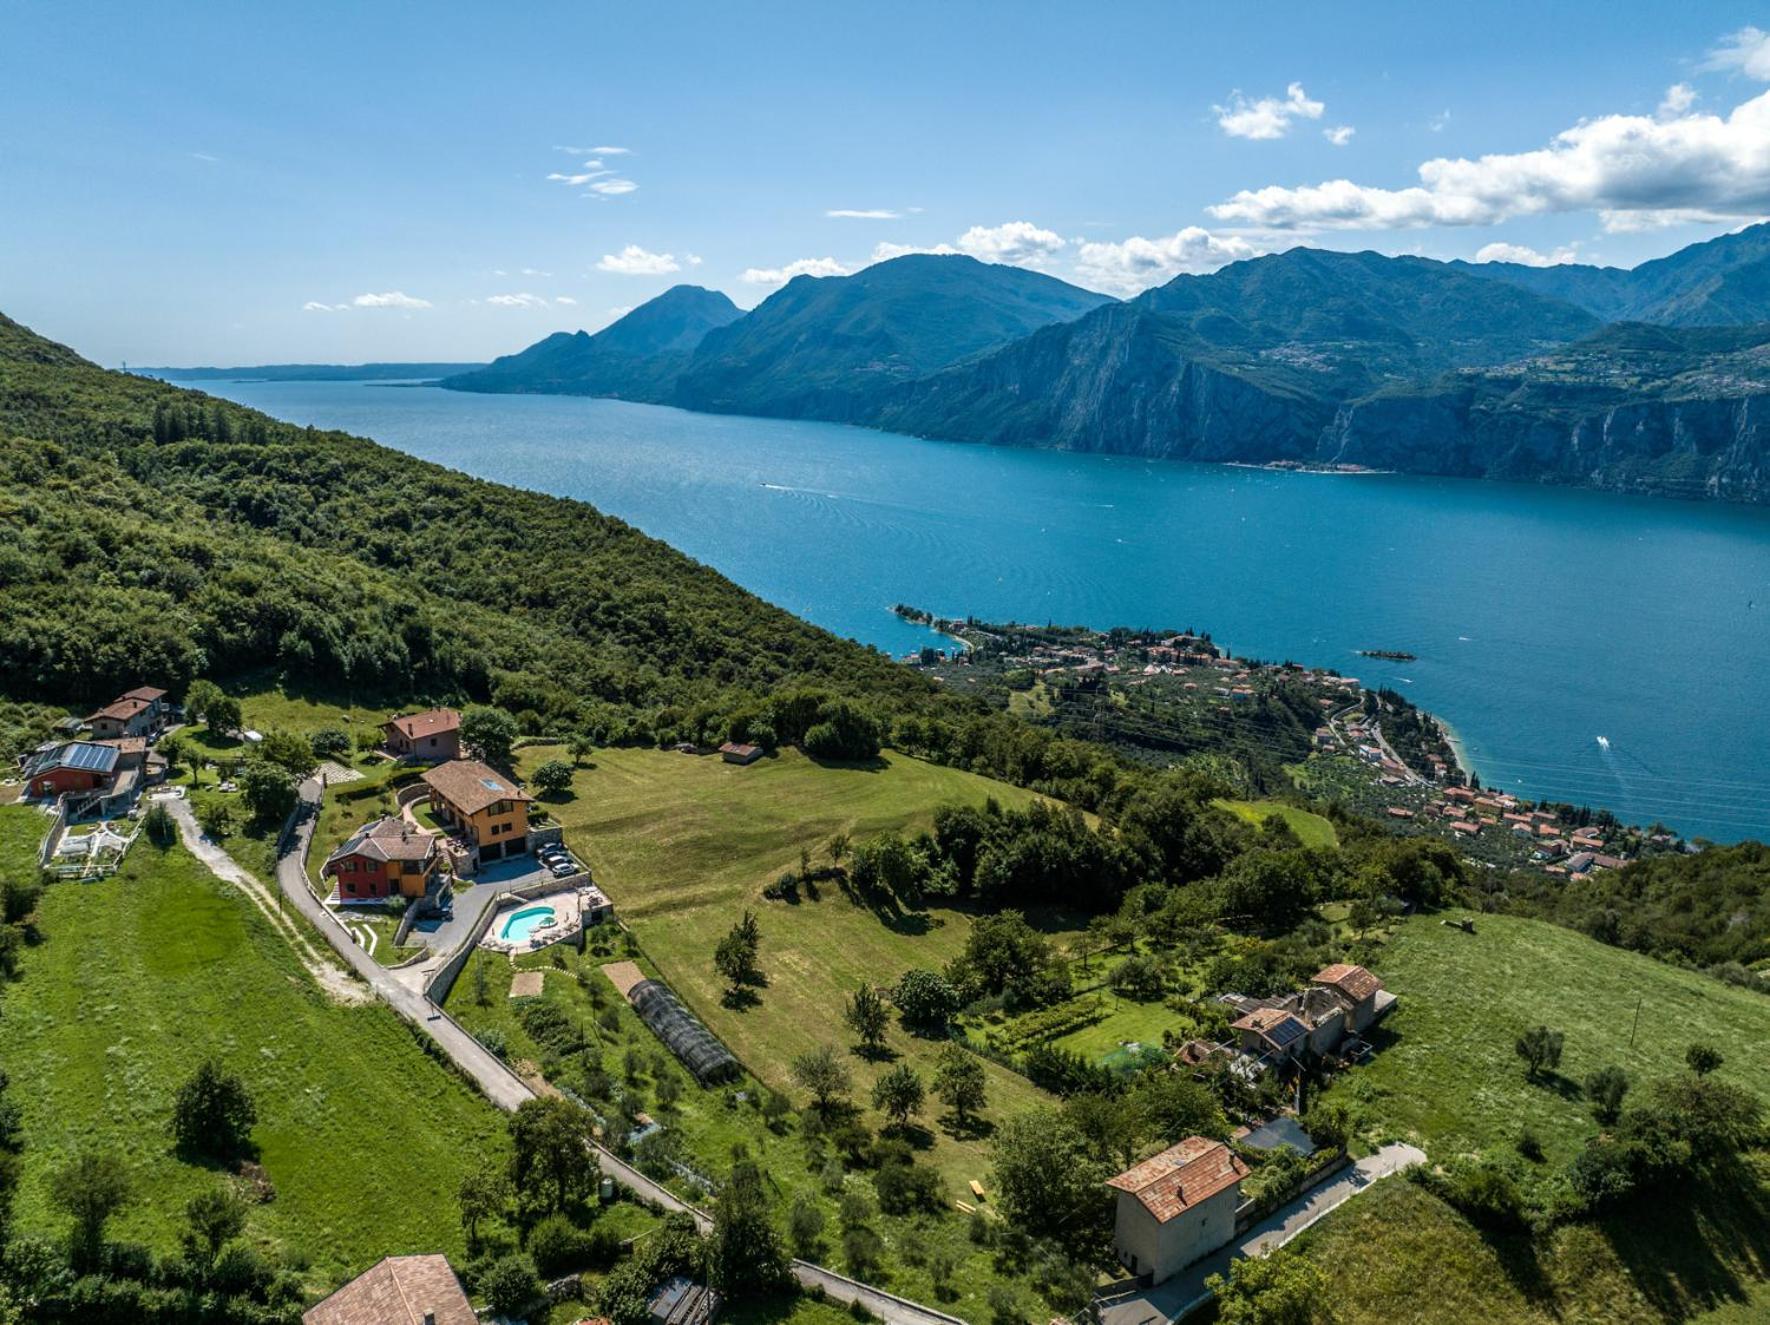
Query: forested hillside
150 532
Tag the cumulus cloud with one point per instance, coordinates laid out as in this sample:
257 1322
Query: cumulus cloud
1138 263
315 306
803 267
636 261
1339 135
523 300
1679 98
564 299
885 251
1269 117
389 299
1635 171
613 188
1746 51
1523 255
1018 243
862 214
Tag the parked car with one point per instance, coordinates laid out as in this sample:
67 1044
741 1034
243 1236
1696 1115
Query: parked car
564 869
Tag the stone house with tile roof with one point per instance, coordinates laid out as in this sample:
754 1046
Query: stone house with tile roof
1176 1207
430 737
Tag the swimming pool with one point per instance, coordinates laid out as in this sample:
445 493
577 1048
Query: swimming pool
521 925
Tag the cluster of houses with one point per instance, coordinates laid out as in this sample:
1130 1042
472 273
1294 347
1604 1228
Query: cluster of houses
484 813
102 765
1556 846
1181 1205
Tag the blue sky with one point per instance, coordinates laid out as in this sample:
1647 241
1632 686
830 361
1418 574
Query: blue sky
226 184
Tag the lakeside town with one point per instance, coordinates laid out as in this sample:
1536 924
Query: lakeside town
1166 696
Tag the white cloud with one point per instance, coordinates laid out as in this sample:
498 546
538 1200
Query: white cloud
620 310
613 188
1437 122
523 300
1339 135
885 251
1746 51
564 299
389 299
1018 243
1269 117
204 156
694 259
595 151
636 261
315 306
535 271
1138 263
1523 255
577 181
1679 98
862 214
803 267
1633 170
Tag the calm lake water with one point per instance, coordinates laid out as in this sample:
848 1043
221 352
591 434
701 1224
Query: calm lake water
1544 620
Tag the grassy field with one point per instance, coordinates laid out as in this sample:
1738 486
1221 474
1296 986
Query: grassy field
1446 1075
684 844
1400 1256
364 1136
1311 829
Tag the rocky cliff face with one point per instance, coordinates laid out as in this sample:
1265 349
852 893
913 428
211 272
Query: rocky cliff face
1688 448
1116 383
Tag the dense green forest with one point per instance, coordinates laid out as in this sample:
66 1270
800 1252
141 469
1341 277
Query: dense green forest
155 533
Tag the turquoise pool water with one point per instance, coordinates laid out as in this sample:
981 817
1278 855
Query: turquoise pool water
521 926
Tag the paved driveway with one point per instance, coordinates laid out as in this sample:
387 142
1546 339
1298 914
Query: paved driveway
1186 1292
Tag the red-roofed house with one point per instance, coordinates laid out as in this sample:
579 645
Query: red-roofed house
1176 1207
431 737
382 859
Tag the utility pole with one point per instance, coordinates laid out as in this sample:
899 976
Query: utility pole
1637 1025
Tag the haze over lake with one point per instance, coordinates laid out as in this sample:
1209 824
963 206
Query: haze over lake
1543 619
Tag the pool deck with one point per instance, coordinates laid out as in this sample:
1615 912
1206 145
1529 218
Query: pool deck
574 900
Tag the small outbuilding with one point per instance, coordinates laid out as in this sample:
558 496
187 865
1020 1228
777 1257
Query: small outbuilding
736 752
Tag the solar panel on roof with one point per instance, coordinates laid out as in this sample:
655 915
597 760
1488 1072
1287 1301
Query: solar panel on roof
491 784
1285 1032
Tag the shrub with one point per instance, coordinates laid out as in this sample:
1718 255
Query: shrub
213 1114
510 1285
557 1246
926 1000
329 743
552 777
158 825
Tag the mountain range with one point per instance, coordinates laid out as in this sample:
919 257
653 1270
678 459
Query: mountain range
1655 379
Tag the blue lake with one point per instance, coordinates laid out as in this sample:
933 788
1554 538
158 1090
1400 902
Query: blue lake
1544 619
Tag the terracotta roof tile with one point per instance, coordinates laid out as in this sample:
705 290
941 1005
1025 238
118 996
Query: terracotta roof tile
471 786
1181 1176
397 1291
431 722
1355 982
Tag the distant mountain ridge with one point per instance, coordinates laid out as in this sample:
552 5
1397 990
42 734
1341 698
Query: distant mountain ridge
313 372
1650 380
638 357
